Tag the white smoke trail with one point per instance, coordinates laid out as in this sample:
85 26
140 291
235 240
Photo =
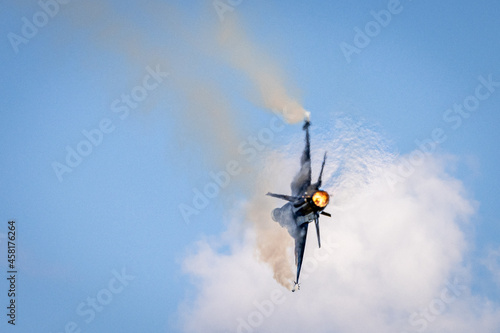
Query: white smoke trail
395 249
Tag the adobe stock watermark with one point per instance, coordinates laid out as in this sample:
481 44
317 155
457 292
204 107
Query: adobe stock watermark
248 150
265 308
453 117
372 29
420 320
94 137
95 304
30 27
223 6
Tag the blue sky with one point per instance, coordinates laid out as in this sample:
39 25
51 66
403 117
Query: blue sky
119 208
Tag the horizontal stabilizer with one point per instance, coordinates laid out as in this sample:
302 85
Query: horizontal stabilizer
316 221
283 197
326 214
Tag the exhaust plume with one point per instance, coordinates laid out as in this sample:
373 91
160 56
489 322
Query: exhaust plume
272 243
207 118
261 70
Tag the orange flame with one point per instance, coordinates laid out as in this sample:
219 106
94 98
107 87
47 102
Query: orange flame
321 199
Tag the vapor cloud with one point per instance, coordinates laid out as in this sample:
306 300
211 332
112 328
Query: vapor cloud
398 250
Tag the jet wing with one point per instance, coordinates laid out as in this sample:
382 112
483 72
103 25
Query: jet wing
300 246
302 180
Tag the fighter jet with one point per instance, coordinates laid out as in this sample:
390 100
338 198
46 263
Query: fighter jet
305 205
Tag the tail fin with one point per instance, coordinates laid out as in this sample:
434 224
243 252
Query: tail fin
321 172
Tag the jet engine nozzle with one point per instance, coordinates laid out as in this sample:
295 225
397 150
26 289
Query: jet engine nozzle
320 199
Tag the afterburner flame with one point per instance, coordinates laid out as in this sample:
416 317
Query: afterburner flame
321 199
